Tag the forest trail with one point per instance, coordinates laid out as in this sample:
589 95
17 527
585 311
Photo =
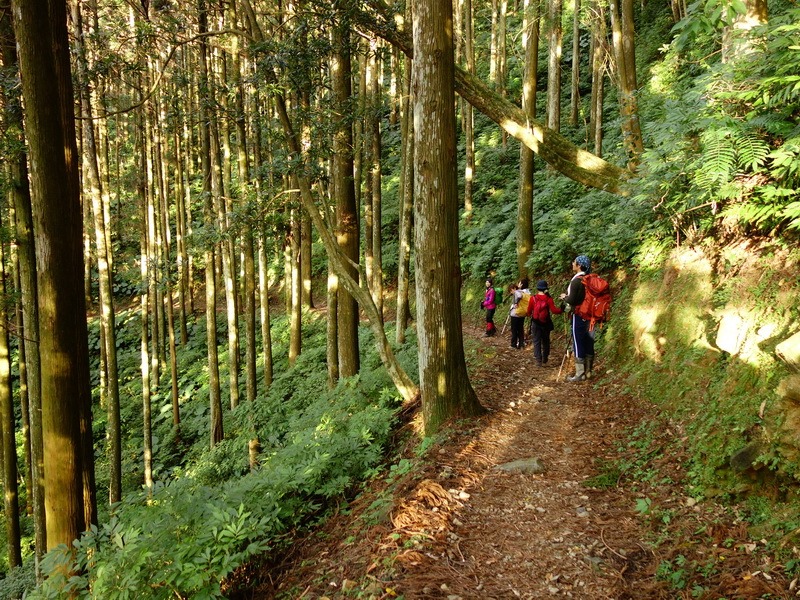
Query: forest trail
459 526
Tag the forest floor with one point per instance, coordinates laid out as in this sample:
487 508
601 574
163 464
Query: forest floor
459 522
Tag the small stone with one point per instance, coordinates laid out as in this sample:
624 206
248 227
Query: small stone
552 589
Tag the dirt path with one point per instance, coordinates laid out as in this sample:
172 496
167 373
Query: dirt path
533 535
459 526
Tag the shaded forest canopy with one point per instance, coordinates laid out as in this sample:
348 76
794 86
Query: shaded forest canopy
246 202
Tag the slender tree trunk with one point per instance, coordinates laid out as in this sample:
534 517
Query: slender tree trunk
575 98
306 239
554 65
530 42
368 64
332 331
295 316
216 429
446 390
8 442
180 240
469 118
346 207
407 204
598 53
622 36
147 384
266 336
91 173
377 181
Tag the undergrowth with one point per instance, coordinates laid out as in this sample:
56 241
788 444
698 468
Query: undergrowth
207 517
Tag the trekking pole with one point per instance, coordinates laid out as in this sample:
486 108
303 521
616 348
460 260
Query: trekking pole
563 360
508 318
566 352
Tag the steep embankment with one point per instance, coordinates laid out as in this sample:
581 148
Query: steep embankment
711 337
612 504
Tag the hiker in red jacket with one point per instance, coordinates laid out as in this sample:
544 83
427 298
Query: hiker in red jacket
489 304
582 341
539 309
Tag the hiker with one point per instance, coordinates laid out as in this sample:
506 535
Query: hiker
489 304
539 310
582 341
519 309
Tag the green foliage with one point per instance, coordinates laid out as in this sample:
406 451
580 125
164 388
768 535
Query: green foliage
209 513
17 581
726 142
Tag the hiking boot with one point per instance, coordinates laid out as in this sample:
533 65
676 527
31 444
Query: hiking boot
589 365
580 371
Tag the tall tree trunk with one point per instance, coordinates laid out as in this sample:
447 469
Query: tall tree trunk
554 50
29 334
622 35
575 97
406 203
295 315
215 400
332 329
147 383
306 239
377 181
66 395
530 42
469 118
266 335
598 53
444 383
91 173
346 207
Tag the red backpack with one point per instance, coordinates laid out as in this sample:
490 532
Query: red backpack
596 306
540 310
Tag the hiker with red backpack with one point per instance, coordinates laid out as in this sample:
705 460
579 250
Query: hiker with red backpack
539 309
583 319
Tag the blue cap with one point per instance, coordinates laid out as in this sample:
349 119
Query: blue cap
583 262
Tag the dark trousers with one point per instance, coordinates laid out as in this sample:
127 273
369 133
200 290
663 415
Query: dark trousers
541 341
490 328
517 332
582 342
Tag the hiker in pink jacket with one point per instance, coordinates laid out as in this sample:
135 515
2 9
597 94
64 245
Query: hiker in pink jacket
489 304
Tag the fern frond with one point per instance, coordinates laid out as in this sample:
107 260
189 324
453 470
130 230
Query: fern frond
751 150
718 158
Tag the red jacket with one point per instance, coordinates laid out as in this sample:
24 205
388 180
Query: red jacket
540 298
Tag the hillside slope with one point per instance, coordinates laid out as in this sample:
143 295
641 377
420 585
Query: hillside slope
607 516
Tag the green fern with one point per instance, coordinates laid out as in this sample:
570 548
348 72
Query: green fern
751 150
718 159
